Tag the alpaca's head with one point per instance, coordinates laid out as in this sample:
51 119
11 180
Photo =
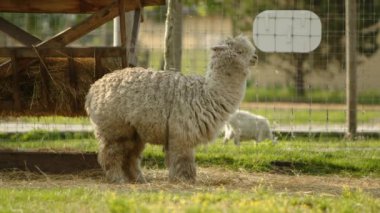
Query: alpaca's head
237 51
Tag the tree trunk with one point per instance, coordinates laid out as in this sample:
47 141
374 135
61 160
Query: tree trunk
173 36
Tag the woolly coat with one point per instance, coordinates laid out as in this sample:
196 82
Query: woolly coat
244 125
161 107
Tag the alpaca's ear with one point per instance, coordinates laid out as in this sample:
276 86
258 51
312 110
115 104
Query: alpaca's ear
219 48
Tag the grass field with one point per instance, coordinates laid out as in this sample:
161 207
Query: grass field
259 199
297 175
320 156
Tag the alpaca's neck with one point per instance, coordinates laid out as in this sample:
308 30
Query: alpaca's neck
229 89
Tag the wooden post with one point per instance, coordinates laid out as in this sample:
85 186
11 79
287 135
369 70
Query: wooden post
129 28
16 93
71 72
351 86
134 34
123 33
45 93
173 36
98 67
73 82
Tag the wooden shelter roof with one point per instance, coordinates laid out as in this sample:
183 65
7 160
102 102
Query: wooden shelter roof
69 6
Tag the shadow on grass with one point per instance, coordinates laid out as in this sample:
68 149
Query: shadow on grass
276 166
312 168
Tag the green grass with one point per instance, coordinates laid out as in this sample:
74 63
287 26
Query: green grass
42 136
83 145
259 199
315 116
314 95
51 119
317 156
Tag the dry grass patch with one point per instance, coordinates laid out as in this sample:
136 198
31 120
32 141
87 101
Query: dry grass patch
208 179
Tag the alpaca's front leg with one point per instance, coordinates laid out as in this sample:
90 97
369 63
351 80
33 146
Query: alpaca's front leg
181 163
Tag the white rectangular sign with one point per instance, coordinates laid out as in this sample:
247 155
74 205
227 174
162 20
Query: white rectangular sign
287 31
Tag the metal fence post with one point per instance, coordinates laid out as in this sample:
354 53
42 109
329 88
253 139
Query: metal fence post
351 85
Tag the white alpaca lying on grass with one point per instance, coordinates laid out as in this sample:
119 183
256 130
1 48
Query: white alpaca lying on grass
243 125
135 106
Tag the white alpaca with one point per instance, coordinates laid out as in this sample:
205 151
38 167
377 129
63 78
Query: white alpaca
135 106
244 125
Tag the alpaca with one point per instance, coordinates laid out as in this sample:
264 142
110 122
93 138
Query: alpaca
243 125
134 106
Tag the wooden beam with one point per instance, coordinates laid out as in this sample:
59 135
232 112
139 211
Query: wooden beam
77 52
71 34
68 6
17 33
49 162
91 23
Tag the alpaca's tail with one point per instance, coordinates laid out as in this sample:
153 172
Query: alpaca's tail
87 103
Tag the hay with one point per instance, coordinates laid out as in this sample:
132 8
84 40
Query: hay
63 97
209 179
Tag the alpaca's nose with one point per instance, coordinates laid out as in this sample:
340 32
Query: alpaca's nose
254 60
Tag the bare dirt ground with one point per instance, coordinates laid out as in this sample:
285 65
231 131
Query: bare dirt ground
208 179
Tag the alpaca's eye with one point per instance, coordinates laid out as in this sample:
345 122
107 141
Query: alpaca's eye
239 52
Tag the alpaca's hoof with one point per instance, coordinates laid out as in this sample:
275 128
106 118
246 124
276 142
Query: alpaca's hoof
140 179
113 177
116 180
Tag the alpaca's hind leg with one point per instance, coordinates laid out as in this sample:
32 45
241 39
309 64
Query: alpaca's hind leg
181 164
132 161
110 157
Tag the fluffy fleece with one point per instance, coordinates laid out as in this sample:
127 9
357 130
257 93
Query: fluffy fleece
134 106
244 125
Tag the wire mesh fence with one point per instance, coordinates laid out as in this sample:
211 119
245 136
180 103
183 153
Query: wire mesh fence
297 92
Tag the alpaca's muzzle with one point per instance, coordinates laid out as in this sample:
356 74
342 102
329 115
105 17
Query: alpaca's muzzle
254 60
